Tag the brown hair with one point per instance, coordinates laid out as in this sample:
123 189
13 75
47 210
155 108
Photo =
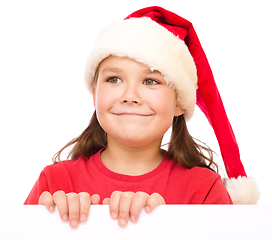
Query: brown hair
88 143
182 148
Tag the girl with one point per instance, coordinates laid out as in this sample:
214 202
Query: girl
146 73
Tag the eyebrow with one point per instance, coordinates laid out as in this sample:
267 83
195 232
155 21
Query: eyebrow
117 70
111 69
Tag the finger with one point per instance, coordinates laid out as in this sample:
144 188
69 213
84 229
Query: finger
106 201
74 208
47 199
124 208
95 199
139 201
60 200
85 203
114 204
154 200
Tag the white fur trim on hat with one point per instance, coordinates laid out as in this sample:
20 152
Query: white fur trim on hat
243 190
145 41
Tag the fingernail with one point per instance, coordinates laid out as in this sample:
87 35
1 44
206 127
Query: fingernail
147 209
122 222
73 223
133 219
51 208
114 215
83 218
65 218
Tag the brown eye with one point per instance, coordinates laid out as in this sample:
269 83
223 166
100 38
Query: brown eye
150 82
114 80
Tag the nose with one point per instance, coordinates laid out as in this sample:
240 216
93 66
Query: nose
131 94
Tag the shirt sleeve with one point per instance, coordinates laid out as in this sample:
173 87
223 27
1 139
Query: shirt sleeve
39 187
218 194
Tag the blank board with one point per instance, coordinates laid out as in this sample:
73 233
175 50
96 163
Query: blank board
165 222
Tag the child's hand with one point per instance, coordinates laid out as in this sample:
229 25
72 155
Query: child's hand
72 207
127 205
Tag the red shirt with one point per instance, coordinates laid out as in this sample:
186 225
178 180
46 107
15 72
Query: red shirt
176 184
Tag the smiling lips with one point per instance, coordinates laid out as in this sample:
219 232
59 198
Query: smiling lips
128 114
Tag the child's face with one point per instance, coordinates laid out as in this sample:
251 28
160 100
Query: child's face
134 106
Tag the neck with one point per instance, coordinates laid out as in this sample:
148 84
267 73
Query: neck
132 161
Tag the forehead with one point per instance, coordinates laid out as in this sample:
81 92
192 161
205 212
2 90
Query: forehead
118 64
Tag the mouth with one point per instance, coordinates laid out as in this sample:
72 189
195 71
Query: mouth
132 114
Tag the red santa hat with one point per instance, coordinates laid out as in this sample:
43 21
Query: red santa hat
168 43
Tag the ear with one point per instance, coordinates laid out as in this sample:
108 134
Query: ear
179 111
94 99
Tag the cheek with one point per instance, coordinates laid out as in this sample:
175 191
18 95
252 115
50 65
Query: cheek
166 102
102 96
164 105
104 100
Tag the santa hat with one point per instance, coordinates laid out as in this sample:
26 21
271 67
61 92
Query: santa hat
168 43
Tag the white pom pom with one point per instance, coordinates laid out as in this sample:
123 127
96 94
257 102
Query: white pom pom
243 190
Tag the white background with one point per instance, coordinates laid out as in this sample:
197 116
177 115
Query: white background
165 222
44 102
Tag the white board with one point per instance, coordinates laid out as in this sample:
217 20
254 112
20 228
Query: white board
166 222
